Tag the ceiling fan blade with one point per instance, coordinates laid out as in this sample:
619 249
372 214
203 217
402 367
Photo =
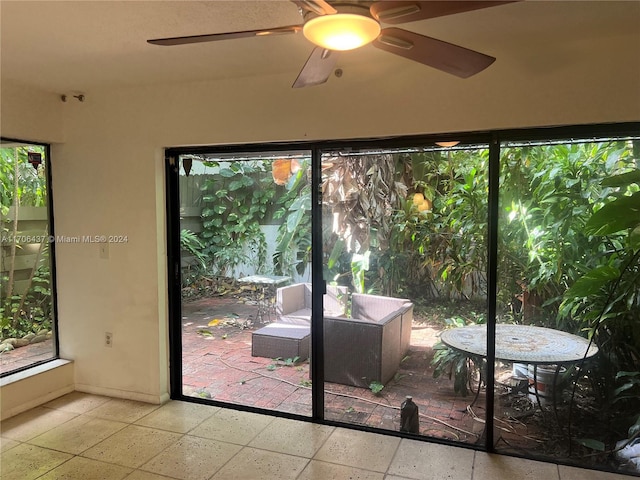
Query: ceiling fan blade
225 36
319 7
394 12
444 56
318 68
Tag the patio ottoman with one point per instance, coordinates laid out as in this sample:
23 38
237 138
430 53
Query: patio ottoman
281 340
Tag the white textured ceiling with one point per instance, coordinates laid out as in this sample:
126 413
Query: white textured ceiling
77 46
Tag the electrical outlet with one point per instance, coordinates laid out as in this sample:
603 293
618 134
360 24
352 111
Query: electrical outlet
108 339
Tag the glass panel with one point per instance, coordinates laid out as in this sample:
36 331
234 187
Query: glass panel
568 381
405 242
26 306
245 233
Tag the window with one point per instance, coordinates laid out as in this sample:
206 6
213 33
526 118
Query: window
27 306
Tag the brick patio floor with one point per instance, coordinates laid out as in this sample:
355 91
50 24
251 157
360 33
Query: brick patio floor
217 364
25 356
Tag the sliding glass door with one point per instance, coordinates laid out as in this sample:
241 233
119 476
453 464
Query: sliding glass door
405 242
245 272
479 291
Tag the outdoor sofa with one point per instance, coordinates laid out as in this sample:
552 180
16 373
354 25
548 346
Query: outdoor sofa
293 303
290 335
362 348
369 346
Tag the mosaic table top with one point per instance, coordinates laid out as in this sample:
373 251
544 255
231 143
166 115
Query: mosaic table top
521 343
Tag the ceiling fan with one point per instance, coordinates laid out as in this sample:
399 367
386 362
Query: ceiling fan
335 26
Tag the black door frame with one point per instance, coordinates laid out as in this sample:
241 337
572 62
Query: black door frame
493 138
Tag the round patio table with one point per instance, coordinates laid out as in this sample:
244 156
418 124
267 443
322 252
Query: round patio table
521 343
265 293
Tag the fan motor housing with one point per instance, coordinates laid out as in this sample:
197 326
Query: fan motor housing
355 8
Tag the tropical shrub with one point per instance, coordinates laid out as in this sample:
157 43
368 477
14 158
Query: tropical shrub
547 195
293 244
605 301
236 199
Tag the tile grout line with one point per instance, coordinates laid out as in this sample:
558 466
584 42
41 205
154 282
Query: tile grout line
90 417
182 435
393 457
80 454
473 465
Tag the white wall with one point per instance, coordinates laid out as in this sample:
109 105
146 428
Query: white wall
108 173
27 114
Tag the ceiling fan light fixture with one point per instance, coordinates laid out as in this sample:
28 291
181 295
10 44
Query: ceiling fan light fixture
341 31
447 144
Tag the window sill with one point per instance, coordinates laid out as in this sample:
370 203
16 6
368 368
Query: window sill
31 372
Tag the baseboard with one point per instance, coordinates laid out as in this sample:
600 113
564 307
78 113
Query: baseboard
124 394
36 402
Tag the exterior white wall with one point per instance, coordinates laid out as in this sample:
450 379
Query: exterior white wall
270 233
109 175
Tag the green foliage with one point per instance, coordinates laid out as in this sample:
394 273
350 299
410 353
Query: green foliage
290 362
463 368
376 387
591 443
191 244
443 248
629 388
32 183
360 196
286 362
36 312
236 199
359 266
283 362
547 195
454 364
192 273
605 301
21 185
293 244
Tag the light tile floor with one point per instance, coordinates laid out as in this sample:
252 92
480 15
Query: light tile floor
85 437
